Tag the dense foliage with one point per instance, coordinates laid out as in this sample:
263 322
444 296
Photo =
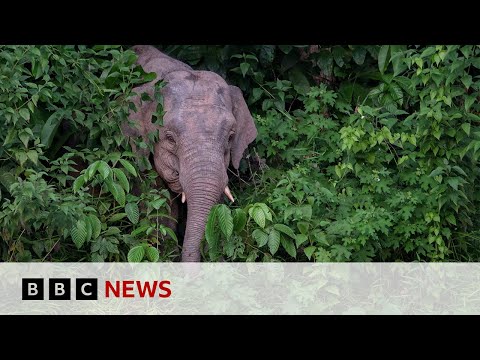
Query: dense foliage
364 153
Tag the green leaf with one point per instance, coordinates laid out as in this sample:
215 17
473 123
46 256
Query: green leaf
466 127
78 183
133 212
89 228
260 236
225 220
140 230
129 167
49 130
136 254
273 241
284 229
96 226
24 113
436 172
258 215
299 80
33 156
300 239
122 179
303 227
79 233
288 246
24 138
103 169
266 211
451 219
309 251
152 254
453 182
459 170
382 58
239 220
469 101
359 55
210 233
244 68
171 233
91 170
117 217
118 194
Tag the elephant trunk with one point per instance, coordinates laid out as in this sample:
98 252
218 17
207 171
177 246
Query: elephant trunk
203 182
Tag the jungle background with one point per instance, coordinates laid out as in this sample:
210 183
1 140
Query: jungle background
363 153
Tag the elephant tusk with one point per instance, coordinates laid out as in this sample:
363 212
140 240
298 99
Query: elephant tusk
229 194
183 197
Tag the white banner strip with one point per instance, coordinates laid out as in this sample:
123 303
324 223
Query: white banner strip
240 288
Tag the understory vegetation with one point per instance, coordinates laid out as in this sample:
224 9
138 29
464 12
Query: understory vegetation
363 153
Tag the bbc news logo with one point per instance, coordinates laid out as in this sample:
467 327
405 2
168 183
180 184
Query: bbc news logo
87 289
59 289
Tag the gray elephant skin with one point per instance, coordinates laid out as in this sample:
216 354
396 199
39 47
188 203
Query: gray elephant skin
206 124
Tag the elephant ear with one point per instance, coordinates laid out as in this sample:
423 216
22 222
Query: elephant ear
246 131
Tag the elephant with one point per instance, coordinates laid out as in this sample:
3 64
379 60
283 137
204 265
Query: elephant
206 125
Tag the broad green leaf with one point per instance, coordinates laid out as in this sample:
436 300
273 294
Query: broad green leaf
96 226
244 68
466 127
469 101
118 194
129 167
89 228
303 227
122 179
140 230
133 212
171 233
309 251
225 220
382 58
33 156
300 239
117 217
112 230
152 254
260 236
136 254
79 233
103 169
299 80
239 220
436 172
210 233
24 113
289 246
49 130
273 241
258 215
453 182
284 229
78 183
359 55
90 172
24 138
451 219
266 210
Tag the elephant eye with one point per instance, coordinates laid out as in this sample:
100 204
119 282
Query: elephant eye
170 138
230 137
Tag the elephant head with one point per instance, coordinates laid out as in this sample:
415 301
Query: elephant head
206 124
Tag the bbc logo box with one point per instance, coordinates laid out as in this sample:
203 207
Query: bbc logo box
59 289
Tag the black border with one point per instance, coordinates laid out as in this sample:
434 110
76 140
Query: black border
243 23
